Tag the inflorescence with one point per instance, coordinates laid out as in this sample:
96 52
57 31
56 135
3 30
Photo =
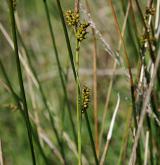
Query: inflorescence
80 29
147 36
85 98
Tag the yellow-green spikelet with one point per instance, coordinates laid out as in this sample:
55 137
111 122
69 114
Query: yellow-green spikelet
85 98
82 31
72 18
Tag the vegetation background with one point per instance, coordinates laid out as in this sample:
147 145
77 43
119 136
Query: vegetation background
111 83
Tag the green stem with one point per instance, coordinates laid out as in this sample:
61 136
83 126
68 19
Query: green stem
27 120
91 138
43 98
150 139
59 67
151 51
130 76
18 100
78 103
74 71
67 38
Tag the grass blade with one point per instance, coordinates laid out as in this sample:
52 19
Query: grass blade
28 124
91 138
67 38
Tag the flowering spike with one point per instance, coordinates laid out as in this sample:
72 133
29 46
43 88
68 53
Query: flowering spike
81 31
72 18
85 98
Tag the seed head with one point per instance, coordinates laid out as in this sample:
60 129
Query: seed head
150 11
85 98
72 18
82 31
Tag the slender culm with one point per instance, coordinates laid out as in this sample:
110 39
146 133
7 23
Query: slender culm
19 72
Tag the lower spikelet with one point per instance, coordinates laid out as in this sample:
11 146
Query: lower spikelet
85 98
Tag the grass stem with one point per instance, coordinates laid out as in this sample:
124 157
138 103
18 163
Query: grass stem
27 120
78 104
60 69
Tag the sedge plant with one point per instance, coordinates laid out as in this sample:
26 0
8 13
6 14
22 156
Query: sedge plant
73 20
